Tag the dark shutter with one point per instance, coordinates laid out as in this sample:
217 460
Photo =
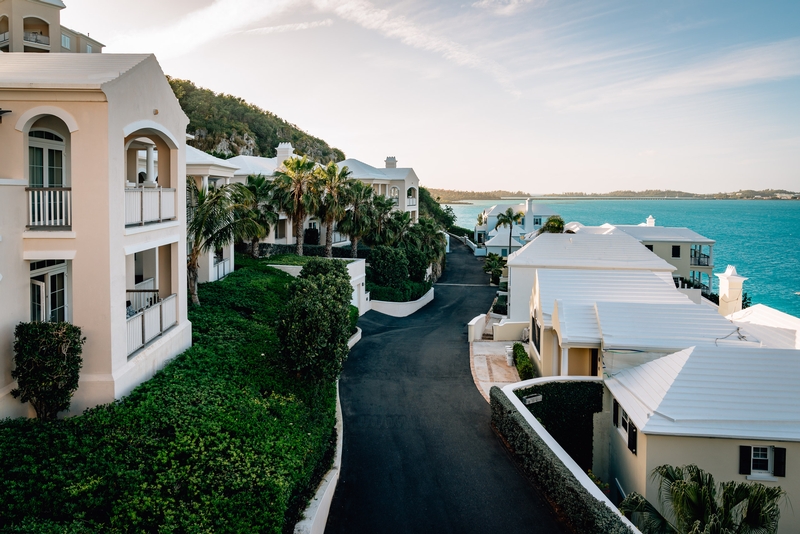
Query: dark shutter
632 437
616 413
745 456
595 361
779 462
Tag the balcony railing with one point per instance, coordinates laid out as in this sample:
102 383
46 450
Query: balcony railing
49 207
149 323
411 201
699 259
147 205
33 37
222 269
3 37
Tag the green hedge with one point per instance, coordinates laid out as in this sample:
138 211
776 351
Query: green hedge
353 319
584 513
501 305
269 249
566 411
221 440
523 362
461 231
408 292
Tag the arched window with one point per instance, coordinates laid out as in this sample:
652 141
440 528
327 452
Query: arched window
394 192
45 159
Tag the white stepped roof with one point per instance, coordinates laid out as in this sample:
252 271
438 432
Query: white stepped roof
773 328
668 234
363 171
254 165
64 71
588 251
666 327
501 239
586 287
195 156
741 393
536 209
501 208
517 231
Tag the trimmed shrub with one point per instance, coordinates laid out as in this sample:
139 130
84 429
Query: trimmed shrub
523 363
408 292
47 359
584 513
500 305
566 411
270 249
461 232
417 264
388 267
353 319
321 266
311 236
315 326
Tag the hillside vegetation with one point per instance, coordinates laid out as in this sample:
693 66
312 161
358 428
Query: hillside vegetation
227 126
448 195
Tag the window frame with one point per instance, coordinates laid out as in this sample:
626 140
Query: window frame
47 291
66 41
676 248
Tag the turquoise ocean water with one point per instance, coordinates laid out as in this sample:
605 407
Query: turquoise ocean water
761 238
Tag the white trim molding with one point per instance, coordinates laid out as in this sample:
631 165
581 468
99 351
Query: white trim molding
151 125
33 255
26 118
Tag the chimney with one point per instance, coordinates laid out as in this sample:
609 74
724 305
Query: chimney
391 162
730 291
651 221
285 151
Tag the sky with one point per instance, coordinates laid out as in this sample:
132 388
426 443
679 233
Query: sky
543 96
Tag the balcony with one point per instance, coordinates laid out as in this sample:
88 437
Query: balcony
222 269
49 208
699 259
3 37
34 37
150 322
411 201
149 205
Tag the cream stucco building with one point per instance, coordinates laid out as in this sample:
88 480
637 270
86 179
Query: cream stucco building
81 239
35 26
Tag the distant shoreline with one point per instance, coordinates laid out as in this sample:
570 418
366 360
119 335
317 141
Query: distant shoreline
599 197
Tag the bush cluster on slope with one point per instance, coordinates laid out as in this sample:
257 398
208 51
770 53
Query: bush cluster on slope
222 440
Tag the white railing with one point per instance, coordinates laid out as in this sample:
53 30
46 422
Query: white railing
146 205
33 37
151 322
411 201
3 37
49 207
141 299
222 268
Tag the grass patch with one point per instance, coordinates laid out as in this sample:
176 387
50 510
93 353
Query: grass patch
222 440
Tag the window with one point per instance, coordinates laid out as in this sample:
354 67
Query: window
88 49
280 230
537 221
626 427
45 159
536 337
762 461
650 248
49 296
676 251
65 41
625 421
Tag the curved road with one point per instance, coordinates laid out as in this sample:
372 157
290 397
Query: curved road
419 455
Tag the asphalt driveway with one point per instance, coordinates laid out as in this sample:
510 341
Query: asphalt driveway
419 455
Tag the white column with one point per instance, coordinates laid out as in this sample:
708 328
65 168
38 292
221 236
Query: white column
564 361
151 171
205 184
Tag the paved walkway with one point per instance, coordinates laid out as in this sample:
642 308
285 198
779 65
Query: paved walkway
419 454
489 367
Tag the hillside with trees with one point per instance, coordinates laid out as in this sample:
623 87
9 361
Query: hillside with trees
227 126
446 196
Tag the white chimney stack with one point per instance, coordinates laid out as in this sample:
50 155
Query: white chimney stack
651 221
285 151
391 162
730 291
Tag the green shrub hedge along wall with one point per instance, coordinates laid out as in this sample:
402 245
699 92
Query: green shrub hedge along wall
269 249
566 411
585 514
460 231
222 440
523 362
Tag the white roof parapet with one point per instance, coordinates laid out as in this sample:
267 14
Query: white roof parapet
714 392
65 71
772 327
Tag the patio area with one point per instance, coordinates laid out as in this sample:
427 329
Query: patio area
489 367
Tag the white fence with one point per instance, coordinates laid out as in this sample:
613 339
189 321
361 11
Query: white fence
411 201
139 299
49 207
151 322
144 205
222 269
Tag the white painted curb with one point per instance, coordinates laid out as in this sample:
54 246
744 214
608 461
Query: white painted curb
401 309
355 338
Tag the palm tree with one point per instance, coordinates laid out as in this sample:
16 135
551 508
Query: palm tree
215 219
493 265
261 209
429 239
553 225
294 194
397 229
381 211
332 184
508 218
357 218
693 505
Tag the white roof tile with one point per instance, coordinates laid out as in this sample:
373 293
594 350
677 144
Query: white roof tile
254 165
588 251
773 328
363 171
198 157
665 233
501 239
64 71
725 392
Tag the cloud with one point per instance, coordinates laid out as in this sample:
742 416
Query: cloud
366 15
506 7
199 27
290 27
747 66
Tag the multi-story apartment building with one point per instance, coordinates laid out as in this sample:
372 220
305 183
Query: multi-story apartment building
401 184
81 240
35 26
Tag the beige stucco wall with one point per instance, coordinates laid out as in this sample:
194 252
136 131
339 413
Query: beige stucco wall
98 242
19 10
626 469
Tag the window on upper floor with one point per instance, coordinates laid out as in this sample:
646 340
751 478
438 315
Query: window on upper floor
676 251
761 461
66 42
88 49
537 221
627 429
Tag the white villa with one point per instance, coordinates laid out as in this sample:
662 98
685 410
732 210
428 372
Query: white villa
533 217
35 26
81 239
690 253
398 183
